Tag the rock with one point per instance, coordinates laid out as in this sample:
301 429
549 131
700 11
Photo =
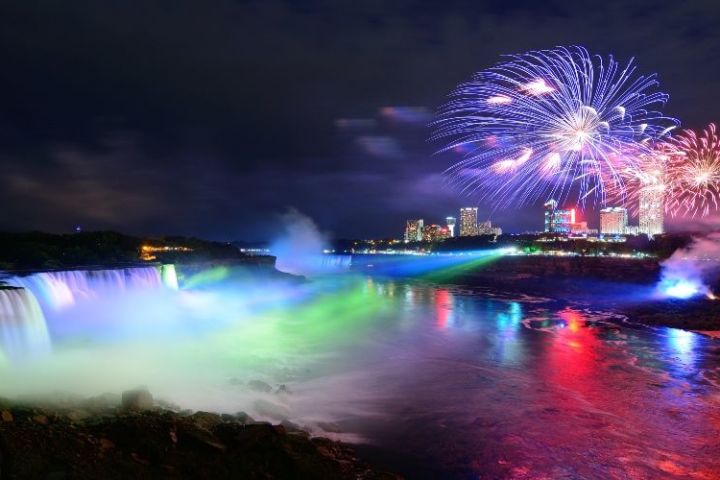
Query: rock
244 418
115 444
106 444
272 410
78 415
41 419
259 386
235 381
290 426
199 438
137 400
206 420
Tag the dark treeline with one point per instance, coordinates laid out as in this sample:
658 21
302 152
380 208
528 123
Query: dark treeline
38 250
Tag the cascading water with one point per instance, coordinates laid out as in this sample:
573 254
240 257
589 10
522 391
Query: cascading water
29 302
57 290
169 276
23 330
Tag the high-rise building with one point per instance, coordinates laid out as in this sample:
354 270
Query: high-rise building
613 221
549 209
556 220
414 230
651 212
450 221
468 222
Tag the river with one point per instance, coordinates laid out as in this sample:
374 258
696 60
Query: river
432 381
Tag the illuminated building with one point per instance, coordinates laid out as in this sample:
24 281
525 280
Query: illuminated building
435 233
147 252
613 221
450 221
581 228
468 222
486 228
558 221
414 230
549 207
651 212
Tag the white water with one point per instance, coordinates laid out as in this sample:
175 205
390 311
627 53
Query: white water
57 290
22 325
32 300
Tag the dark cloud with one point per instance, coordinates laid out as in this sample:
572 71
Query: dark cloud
210 117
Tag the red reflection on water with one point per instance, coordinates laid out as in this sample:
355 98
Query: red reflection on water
443 307
572 353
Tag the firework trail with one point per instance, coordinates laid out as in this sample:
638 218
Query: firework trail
550 123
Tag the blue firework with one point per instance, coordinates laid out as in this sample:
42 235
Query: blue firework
551 123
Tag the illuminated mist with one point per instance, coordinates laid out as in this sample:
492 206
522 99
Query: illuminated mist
299 250
685 274
215 342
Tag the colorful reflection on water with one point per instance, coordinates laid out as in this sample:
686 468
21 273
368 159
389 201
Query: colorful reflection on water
459 382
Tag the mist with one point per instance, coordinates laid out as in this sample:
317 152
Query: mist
299 248
689 271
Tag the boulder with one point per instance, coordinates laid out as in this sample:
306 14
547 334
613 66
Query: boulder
243 418
206 420
137 400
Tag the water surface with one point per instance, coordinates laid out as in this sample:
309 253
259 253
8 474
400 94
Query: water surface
439 381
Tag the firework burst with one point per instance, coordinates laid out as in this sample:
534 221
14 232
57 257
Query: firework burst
694 172
645 174
550 123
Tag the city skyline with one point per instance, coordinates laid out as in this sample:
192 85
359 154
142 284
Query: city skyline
609 220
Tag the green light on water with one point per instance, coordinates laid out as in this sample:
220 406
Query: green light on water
206 277
456 271
296 331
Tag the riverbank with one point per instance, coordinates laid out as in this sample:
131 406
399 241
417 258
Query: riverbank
97 438
638 302
625 286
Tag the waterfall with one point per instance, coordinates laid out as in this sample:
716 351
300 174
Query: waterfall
56 290
23 327
169 276
23 330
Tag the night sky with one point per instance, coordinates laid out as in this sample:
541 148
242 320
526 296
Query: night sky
212 118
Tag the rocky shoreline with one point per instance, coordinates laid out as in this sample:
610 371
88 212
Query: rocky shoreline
94 438
624 286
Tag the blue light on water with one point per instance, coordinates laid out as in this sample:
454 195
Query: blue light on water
681 289
682 345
